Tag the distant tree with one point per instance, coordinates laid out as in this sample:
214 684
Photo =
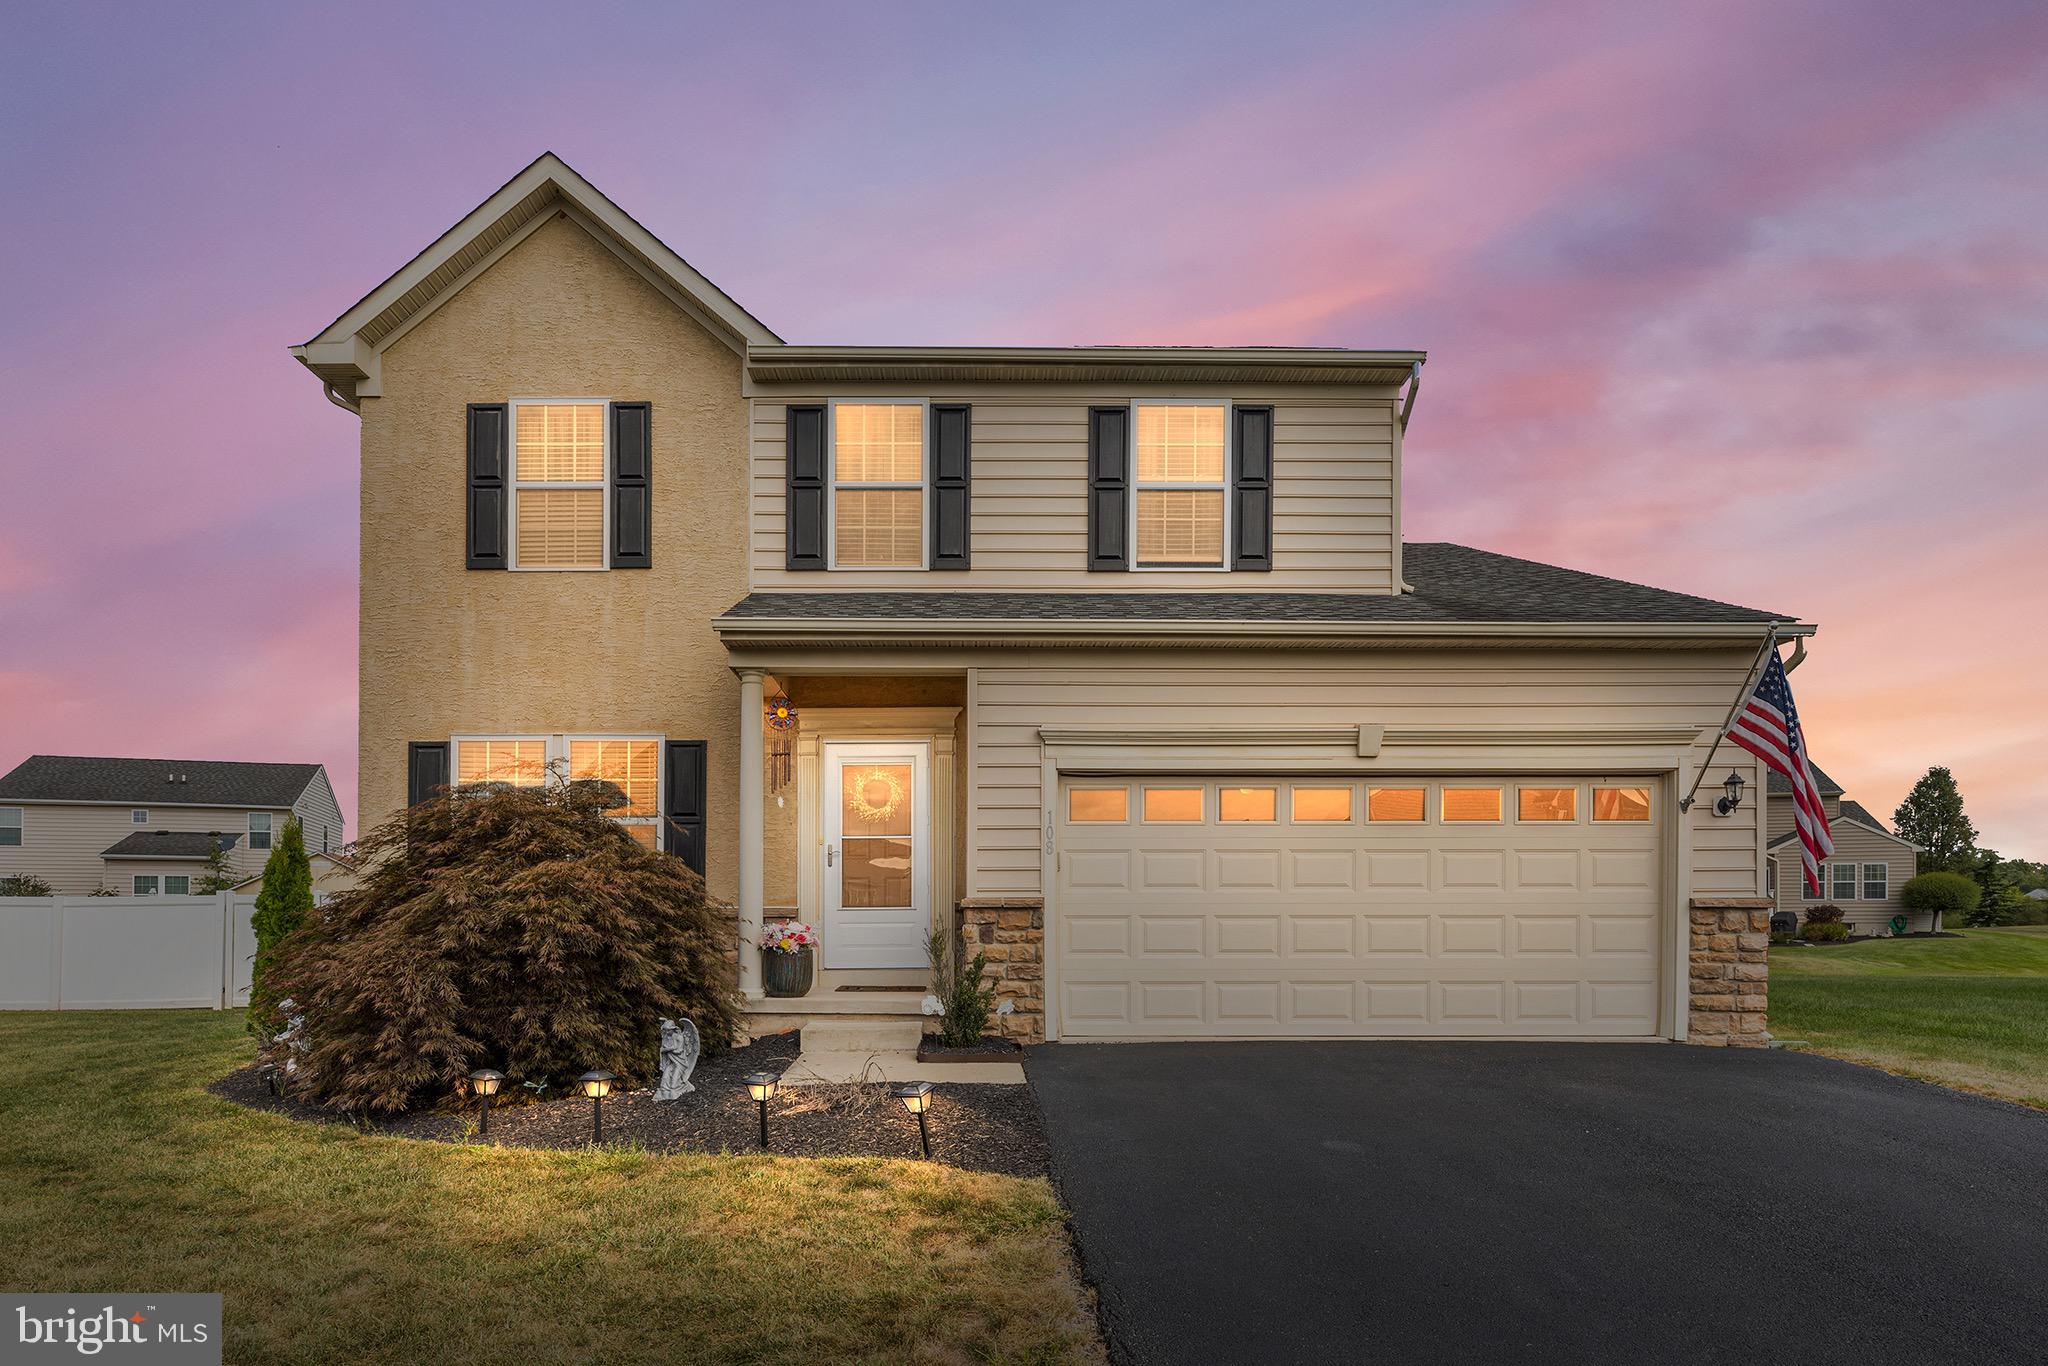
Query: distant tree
1932 817
1942 894
219 874
283 904
24 884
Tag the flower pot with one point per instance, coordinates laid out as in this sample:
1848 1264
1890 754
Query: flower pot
787 974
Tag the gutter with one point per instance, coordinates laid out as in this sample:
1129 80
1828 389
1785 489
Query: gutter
1202 630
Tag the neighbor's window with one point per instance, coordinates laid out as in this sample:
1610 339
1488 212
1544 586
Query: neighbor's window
1249 803
1621 803
1181 481
1876 881
10 827
259 829
1471 804
1094 805
558 463
138 817
143 884
878 485
1173 805
1394 804
1547 803
177 884
1842 881
634 767
1320 804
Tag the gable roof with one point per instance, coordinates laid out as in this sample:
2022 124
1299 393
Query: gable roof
172 844
1856 811
346 353
1455 585
1781 786
156 782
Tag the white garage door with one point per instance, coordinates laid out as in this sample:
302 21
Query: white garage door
1296 907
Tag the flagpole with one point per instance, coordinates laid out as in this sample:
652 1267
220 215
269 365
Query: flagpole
1748 683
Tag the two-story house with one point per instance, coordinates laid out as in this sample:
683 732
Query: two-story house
147 827
1864 875
1114 659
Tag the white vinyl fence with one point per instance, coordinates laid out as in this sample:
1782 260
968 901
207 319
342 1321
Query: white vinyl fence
122 952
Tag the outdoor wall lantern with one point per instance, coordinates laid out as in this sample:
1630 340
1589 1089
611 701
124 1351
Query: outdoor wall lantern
485 1081
761 1086
1725 806
597 1085
917 1098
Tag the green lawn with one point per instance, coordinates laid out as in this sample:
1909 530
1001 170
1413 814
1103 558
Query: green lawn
120 1173
1969 1012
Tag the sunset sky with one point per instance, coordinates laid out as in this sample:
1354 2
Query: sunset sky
1744 299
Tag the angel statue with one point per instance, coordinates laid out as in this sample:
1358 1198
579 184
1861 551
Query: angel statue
679 1049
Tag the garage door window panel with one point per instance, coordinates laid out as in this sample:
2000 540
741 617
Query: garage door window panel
1098 805
1622 804
1249 804
1474 805
1173 805
1400 805
1322 805
1547 803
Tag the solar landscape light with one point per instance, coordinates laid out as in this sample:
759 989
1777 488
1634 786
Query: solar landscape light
597 1085
761 1086
485 1081
917 1098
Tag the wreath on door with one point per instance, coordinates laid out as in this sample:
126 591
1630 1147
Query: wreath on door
874 795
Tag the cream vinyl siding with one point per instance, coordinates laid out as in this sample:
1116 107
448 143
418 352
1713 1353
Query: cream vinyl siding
1333 492
1489 689
61 843
317 809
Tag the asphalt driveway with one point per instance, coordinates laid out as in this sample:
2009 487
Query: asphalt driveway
1627 1203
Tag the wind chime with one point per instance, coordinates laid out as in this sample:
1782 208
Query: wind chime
781 740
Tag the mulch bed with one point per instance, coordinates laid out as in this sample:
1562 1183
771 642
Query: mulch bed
979 1128
934 1048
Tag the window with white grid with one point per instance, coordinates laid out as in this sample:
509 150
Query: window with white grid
1182 471
878 485
558 470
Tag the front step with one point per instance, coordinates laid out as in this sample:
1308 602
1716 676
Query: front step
861 1036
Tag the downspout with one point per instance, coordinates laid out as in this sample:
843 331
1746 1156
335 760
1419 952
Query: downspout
1407 408
334 397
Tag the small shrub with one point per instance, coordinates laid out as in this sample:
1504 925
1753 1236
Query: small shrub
1824 932
1942 894
966 1003
24 884
519 928
282 904
1827 913
1781 937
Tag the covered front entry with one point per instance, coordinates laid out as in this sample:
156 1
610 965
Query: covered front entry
1300 906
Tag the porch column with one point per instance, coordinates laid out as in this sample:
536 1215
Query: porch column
751 831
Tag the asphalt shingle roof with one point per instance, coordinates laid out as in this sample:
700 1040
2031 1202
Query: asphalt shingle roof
1454 584
1856 811
183 782
170 844
1781 786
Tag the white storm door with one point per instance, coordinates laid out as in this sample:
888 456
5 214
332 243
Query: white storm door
877 855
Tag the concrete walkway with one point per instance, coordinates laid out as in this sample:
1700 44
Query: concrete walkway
1589 1203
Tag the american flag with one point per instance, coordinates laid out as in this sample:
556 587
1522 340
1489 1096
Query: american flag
1768 727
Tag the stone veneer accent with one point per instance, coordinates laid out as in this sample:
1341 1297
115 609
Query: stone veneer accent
1730 974
1011 931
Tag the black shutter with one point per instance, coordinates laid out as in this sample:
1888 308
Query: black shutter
805 463
683 833
1109 488
1251 489
952 474
486 500
426 770
632 469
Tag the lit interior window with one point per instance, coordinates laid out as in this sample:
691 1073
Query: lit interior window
1089 805
1547 803
1173 805
1250 803
1471 803
878 485
1394 804
558 485
1621 803
1180 484
1319 804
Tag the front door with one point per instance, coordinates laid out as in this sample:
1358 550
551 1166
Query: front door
877 873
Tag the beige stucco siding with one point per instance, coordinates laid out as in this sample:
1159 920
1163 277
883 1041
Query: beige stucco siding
61 844
1492 690
1334 457
446 650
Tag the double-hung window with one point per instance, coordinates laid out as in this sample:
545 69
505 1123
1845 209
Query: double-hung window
559 460
1182 470
1876 881
177 884
143 884
878 485
259 829
1842 881
10 827
631 763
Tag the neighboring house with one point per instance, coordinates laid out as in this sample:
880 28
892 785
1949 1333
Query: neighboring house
2039 894
1115 657
146 827
331 873
1869 866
